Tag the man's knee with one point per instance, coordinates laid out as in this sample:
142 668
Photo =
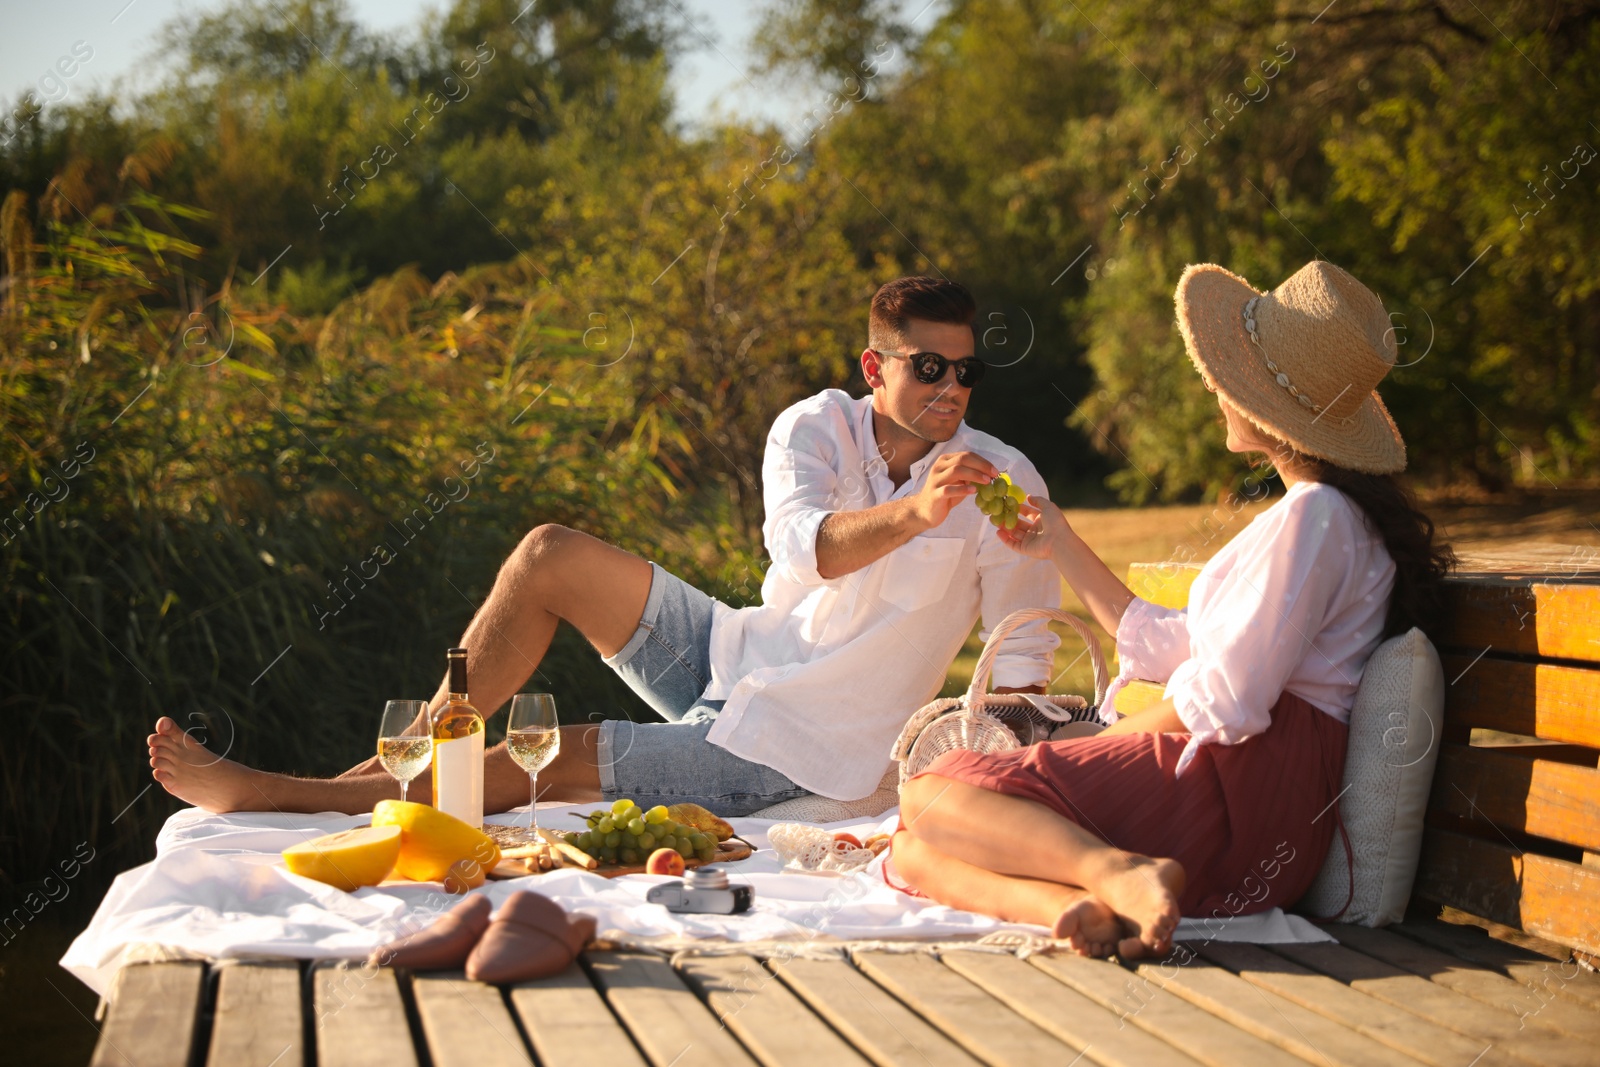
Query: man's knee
543 557
544 543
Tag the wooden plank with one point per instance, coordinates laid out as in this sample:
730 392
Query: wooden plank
1136 999
1548 897
664 1016
978 1022
1532 796
1500 933
154 1015
1398 1029
1550 701
885 1030
361 1018
1542 972
1445 1007
1550 560
467 1023
1315 1036
1533 748
764 1014
569 1025
1552 618
257 1017
1479 983
1064 1013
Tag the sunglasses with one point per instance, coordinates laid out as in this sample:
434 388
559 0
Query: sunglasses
929 367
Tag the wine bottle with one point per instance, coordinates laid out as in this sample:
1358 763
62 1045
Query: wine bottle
457 729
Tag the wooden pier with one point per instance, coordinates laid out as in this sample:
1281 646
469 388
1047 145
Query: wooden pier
1511 858
1425 992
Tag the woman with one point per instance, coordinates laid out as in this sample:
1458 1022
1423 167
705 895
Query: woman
1221 799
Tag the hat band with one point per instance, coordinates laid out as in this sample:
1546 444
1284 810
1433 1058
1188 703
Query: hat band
1278 376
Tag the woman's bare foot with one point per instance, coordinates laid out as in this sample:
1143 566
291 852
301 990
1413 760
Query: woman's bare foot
1143 892
1089 927
191 772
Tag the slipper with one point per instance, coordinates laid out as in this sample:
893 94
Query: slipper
444 945
530 937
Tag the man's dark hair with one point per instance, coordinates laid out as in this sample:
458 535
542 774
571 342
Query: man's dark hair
918 297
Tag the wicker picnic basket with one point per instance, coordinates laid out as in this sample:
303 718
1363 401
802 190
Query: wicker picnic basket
982 721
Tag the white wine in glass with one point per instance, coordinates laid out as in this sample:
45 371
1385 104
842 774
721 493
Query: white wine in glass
405 744
533 737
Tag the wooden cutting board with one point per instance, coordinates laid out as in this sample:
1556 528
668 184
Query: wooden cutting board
727 852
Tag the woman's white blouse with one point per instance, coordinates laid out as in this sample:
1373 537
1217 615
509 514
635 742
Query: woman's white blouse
1295 603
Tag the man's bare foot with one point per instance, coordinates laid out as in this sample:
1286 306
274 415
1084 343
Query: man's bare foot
1143 892
1089 927
191 772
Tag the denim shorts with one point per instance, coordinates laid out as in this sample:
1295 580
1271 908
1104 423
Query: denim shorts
668 663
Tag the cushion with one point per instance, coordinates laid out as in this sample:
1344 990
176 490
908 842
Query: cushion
1395 728
814 810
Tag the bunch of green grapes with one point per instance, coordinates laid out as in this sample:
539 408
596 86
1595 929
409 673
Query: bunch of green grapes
1000 500
626 835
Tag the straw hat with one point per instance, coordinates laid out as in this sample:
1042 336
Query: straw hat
1302 362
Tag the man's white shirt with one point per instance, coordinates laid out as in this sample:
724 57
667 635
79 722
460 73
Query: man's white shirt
819 679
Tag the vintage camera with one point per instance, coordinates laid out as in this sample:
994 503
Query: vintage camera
704 889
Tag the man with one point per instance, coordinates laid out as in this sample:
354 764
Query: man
879 566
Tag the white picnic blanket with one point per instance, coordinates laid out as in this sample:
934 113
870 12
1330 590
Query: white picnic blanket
217 889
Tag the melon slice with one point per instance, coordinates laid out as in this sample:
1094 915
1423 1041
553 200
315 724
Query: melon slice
433 841
349 859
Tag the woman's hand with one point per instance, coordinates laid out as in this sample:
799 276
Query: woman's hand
1039 531
1042 532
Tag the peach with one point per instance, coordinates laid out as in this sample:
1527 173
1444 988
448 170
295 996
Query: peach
664 861
843 838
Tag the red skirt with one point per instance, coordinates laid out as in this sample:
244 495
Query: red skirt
1251 823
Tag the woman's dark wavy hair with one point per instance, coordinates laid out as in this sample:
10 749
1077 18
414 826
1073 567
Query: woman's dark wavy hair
1391 511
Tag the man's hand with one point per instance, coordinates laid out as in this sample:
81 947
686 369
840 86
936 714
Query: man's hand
850 540
955 477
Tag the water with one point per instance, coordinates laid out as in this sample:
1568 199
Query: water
46 1015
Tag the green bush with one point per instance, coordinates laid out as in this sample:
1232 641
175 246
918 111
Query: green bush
273 523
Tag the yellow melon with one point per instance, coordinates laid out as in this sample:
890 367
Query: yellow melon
349 859
431 841
464 876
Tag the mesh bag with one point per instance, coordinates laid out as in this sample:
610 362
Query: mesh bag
812 848
995 722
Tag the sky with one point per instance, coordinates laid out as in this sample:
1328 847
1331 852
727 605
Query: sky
117 39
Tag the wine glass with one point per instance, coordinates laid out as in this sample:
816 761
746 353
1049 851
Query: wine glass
533 737
405 743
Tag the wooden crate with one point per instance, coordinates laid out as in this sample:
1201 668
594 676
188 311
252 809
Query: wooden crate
1514 819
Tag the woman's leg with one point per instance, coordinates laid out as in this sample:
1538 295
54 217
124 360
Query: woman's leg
1073 915
1013 836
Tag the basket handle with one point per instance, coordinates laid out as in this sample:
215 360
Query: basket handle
991 651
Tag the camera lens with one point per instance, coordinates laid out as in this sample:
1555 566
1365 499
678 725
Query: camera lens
706 878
